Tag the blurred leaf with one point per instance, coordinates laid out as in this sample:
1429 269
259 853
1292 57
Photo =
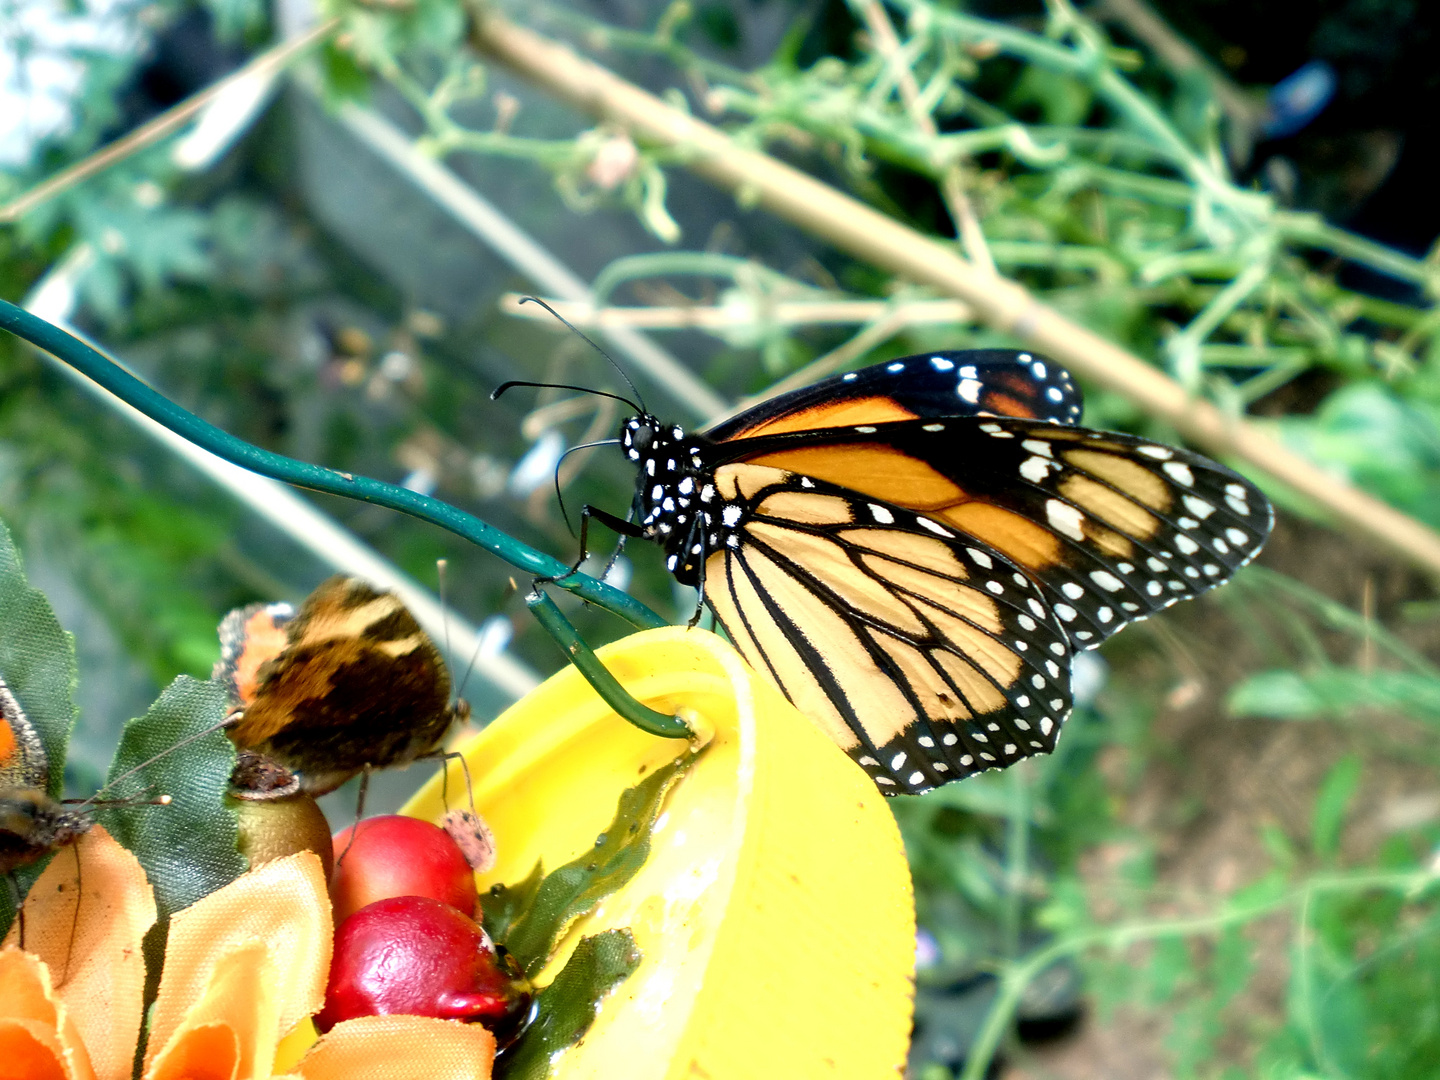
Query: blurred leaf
1330 805
188 848
1334 692
567 1007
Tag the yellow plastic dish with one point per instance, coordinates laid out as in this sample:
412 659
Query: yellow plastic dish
774 913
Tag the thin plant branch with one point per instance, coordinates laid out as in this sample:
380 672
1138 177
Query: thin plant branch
271 61
952 184
874 237
1140 19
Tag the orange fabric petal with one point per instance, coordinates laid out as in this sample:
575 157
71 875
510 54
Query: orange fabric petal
284 904
231 1032
38 1039
85 917
30 1051
205 1052
401 1048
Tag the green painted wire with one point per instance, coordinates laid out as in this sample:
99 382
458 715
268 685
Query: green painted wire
597 675
131 390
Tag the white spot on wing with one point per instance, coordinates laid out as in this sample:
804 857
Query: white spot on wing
1065 519
1179 472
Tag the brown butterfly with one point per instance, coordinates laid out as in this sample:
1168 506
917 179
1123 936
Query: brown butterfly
346 684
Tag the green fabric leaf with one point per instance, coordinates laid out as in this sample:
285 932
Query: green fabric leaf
578 886
188 848
37 661
504 904
569 1005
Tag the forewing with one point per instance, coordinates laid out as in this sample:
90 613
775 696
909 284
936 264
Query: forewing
977 382
1114 527
926 656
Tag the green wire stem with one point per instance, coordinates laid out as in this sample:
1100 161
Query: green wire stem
597 675
132 391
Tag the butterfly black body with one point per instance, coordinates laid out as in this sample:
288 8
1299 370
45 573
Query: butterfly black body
914 551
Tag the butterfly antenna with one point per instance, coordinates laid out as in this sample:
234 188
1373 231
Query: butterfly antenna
162 754
14 883
559 495
589 341
495 394
75 919
441 565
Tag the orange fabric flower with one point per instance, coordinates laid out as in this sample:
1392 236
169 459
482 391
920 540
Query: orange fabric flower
243 966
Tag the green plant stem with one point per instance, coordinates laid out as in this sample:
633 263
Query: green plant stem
1015 977
132 391
597 675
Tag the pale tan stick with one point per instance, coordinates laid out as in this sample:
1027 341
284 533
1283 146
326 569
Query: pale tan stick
705 317
867 234
170 120
952 185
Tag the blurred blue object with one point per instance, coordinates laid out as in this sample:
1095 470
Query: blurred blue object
1297 99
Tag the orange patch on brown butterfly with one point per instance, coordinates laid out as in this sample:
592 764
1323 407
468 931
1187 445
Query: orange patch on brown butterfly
879 471
1027 543
869 410
265 640
8 745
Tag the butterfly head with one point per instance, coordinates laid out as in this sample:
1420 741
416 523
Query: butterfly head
672 491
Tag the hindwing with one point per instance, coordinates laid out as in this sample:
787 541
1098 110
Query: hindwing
924 654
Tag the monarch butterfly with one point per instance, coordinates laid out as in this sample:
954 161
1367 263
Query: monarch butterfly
915 550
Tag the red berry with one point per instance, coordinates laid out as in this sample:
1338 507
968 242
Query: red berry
399 856
415 955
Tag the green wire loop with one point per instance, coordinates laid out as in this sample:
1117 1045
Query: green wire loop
132 391
597 675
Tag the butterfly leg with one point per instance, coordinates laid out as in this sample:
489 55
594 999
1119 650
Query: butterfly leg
697 535
359 813
622 526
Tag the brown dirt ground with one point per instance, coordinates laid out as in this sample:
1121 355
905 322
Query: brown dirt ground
1204 797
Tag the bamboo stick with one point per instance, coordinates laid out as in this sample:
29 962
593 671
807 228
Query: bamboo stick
852 226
